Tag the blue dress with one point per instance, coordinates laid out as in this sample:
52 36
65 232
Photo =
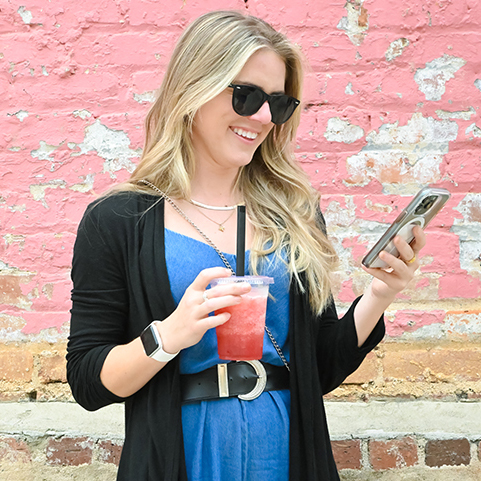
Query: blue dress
230 439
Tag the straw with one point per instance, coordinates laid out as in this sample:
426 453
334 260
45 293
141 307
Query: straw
241 239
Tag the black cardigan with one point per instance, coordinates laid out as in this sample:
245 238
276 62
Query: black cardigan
121 284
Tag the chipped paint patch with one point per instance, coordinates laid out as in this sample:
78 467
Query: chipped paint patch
469 231
396 48
407 155
146 97
412 321
26 15
38 190
356 23
474 130
463 114
349 90
21 115
342 131
111 145
432 79
463 324
83 114
86 186
477 83
44 152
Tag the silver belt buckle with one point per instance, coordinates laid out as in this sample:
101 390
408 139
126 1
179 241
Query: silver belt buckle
223 381
260 384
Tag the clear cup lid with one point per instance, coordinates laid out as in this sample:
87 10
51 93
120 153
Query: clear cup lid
252 280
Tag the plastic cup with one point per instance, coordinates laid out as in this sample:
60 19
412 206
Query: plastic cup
241 337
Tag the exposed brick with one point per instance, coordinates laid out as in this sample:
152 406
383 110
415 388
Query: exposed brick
366 372
450 452
52 369
395 453
69 451
16 364
110 452
445 365
14 450
347 453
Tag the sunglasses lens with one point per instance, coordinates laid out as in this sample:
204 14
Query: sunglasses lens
247 100
282 107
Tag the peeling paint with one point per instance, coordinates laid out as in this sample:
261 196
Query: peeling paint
25 14
396 48
463 114
21 115
403 155
474 130
432 79
83 114
356 23
111 145
463 323
349 90
44 151
86 186
468 229
477 83
146 97
339 130
38 190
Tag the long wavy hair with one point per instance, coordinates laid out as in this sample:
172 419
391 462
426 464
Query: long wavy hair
280 202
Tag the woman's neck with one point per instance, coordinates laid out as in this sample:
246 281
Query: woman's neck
215 191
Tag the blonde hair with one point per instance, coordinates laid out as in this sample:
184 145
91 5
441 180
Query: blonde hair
281 204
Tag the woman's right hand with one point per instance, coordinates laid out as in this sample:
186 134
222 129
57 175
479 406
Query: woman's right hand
189 322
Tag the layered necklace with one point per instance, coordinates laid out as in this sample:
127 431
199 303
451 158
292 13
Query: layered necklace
220 225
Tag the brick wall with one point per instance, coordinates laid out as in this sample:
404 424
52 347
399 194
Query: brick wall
391 104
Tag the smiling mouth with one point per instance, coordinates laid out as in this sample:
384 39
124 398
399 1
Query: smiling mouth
246 134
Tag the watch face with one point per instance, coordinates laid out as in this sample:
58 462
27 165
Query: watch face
149 340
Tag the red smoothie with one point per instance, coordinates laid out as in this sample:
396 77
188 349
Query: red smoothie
241 337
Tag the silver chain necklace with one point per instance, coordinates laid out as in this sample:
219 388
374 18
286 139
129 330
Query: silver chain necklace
224 260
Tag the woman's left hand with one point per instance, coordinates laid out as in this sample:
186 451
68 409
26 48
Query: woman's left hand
400 271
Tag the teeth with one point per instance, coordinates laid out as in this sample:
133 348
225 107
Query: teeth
244 133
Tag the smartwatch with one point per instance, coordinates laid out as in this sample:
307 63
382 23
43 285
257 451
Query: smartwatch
152 342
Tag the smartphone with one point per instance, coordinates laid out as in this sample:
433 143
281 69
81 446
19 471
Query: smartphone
420 211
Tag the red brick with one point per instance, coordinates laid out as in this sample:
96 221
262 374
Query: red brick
69 451
395 453
52 369
16 365
347 453
449 452
14 450
110 452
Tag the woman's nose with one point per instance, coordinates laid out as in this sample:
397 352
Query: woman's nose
263 115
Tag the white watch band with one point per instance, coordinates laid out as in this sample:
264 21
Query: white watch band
159 354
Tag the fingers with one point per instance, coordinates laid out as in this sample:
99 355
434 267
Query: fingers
206 276
409 252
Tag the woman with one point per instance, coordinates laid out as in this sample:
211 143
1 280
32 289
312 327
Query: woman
219 134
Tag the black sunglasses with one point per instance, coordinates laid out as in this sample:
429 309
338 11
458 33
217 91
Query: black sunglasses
247 100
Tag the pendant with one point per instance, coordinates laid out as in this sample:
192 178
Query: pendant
221 228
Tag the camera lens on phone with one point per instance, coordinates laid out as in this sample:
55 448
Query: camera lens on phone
425 205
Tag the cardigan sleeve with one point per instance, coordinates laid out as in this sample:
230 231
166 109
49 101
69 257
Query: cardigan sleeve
99 306
338 354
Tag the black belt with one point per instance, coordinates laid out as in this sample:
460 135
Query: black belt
244 379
